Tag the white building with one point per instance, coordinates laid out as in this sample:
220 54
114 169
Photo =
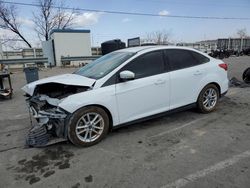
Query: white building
66 43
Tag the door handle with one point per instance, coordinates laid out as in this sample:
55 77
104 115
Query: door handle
160 81
197 73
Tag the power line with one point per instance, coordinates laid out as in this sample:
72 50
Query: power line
209 3
132 13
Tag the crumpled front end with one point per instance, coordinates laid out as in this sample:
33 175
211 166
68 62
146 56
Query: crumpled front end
49 121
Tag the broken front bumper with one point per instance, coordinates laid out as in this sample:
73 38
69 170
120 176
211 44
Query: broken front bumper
47 126
43 117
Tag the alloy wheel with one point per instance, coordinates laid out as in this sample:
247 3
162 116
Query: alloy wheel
89 127
210 98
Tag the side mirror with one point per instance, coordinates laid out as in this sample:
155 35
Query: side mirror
127 75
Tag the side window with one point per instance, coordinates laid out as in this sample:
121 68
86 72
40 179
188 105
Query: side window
200 58
180 59
149 64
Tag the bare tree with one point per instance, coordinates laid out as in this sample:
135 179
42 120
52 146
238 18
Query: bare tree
9 21
11 42
242 33
158 37
48 18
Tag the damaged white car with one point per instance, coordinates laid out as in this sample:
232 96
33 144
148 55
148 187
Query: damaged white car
120 88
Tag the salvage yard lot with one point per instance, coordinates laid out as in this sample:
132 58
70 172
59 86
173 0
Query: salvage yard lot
185 149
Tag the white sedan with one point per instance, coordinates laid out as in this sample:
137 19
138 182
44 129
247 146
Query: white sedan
121 88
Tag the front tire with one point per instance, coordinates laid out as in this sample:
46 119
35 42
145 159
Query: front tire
88 126
208 98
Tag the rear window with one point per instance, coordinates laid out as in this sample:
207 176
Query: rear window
200 58
180 59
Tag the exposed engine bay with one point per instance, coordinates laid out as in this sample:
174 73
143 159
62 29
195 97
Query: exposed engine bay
57 90
49 122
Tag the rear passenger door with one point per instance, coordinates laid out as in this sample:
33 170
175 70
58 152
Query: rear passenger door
187 71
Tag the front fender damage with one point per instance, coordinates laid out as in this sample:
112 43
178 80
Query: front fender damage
48 121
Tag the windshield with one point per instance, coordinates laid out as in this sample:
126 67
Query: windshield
104 65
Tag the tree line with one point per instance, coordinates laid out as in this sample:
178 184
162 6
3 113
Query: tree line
45 19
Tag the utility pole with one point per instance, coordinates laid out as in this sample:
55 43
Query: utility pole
241 44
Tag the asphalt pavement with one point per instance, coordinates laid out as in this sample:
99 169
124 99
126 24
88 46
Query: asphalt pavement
185 149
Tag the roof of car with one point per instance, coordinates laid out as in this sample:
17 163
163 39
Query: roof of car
143 48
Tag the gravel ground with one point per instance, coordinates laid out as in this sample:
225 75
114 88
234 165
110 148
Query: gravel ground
185 149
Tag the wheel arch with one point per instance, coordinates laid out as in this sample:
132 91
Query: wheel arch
199 101
217 85
213 83
106 110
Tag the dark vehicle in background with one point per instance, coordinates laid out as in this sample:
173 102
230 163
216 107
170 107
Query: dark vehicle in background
112 45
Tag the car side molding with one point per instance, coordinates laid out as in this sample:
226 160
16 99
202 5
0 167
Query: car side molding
183 108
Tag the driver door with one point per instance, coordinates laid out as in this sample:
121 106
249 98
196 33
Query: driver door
148 93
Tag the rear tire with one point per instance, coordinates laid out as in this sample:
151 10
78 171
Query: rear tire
208 99
246 76
88 126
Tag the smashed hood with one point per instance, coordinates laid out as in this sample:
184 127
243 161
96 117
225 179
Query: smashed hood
66 79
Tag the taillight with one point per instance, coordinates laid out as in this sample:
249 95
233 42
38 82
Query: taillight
223 65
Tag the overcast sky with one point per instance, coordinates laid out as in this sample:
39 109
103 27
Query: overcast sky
106 26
